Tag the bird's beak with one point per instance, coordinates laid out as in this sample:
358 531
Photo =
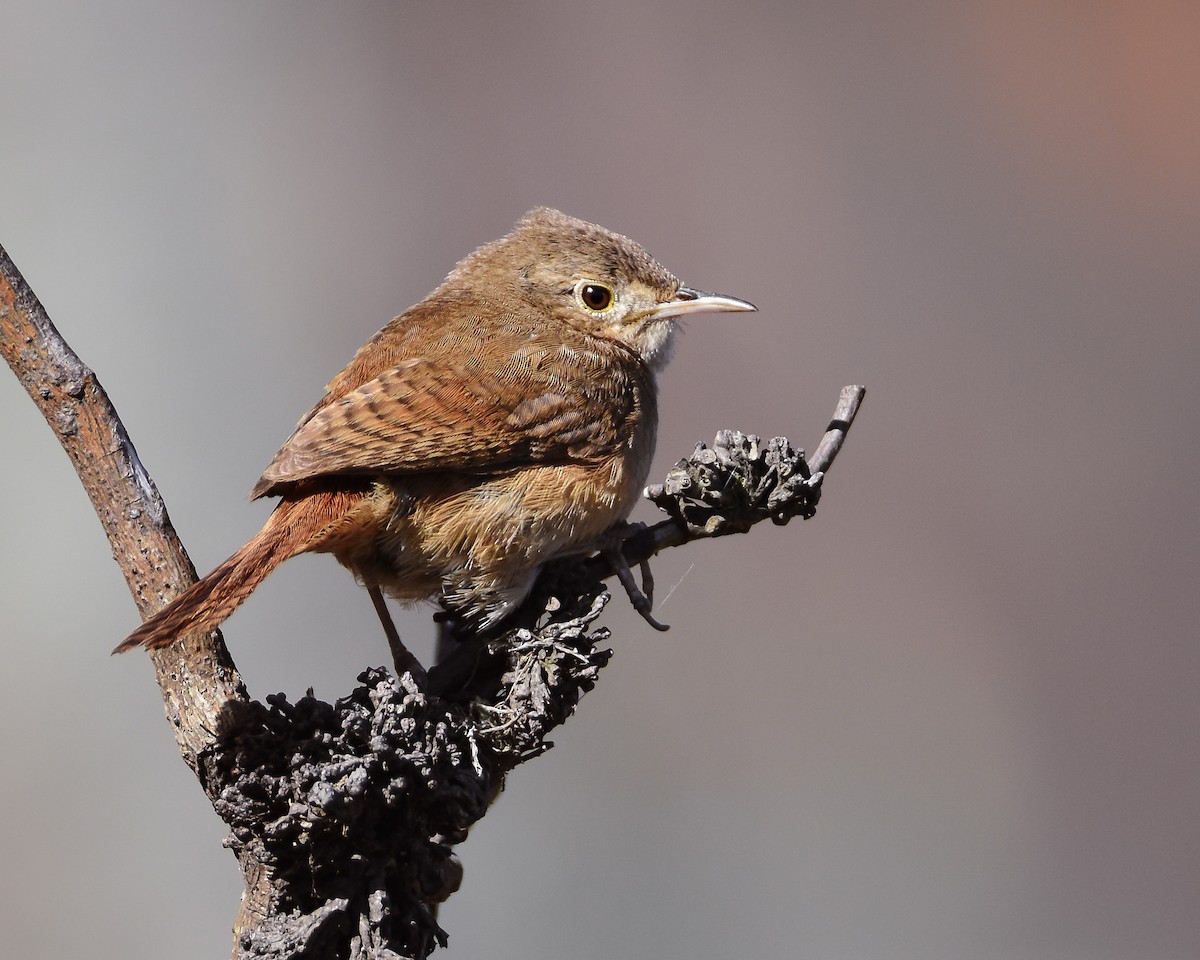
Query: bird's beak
688 300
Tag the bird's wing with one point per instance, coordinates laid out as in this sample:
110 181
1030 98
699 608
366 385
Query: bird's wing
451 411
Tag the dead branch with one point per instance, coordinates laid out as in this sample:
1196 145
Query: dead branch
198 680
343 816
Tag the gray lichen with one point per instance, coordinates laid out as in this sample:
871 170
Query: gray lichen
735 483
353 807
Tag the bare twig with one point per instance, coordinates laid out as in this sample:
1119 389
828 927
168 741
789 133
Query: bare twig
197 677
835 434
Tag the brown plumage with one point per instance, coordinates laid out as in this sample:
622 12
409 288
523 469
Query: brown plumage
506 419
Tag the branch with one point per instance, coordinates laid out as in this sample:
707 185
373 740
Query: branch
343 817
198 680
737 483
717 491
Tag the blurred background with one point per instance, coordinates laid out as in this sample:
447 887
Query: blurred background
954 716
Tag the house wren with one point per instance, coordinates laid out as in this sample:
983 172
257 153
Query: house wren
506 419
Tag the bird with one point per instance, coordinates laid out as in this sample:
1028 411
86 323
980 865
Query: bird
507 419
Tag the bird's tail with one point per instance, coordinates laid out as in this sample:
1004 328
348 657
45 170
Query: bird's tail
291 529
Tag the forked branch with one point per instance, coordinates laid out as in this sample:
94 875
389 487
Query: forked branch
343 817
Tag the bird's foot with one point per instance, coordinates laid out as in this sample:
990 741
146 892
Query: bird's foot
611 547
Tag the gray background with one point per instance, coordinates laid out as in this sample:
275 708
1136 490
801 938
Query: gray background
952 717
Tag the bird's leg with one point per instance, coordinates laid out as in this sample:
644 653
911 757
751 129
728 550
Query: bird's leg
647 581
611 547
403 659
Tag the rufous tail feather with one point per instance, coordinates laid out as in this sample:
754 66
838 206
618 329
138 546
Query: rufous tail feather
206 604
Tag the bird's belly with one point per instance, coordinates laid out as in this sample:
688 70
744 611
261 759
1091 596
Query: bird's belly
482 541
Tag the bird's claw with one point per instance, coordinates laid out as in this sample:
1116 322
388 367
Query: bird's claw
642 598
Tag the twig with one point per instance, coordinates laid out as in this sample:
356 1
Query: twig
199 683
835 434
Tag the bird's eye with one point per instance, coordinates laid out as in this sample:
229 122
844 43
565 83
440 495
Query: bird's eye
596 297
